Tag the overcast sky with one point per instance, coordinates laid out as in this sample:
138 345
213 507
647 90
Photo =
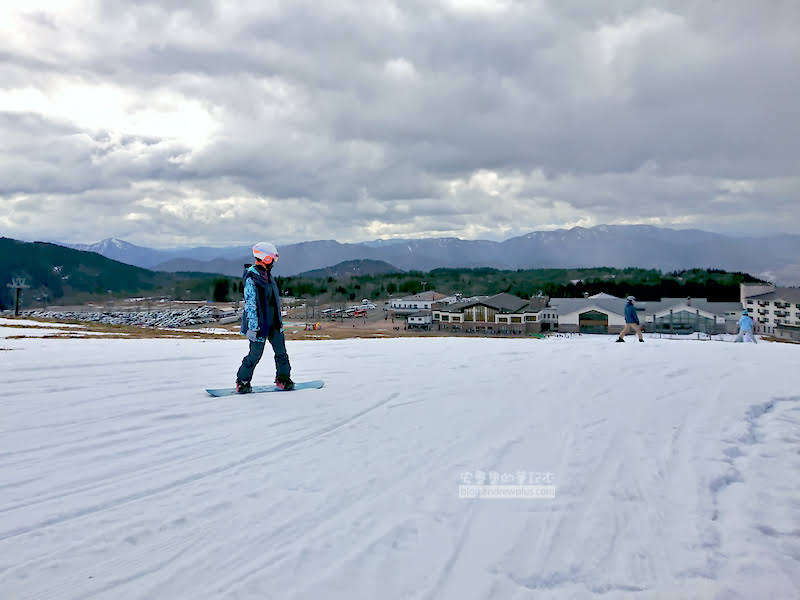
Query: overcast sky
204 122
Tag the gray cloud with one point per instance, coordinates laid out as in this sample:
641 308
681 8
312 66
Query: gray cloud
350 120
39 156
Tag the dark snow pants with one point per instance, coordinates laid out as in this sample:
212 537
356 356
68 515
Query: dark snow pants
282 366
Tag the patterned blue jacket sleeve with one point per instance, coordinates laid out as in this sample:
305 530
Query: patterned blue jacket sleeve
250 305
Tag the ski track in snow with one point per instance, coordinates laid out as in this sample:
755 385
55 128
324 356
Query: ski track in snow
676 467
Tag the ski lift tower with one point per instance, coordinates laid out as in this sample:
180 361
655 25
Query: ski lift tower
18 283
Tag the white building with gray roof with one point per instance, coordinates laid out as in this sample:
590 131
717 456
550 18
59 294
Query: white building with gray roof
421 301
603 313
772 307
686 315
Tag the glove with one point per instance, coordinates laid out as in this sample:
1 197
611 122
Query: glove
252 334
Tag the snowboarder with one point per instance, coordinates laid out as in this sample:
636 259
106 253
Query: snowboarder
261 319
631 321
746 328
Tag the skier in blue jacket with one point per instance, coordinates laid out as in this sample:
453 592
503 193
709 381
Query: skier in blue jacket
746 328
631 321
261 320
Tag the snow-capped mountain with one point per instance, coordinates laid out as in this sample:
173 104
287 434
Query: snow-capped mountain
149 258
104 247
123 251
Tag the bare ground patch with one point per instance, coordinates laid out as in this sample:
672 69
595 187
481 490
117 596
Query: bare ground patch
330 330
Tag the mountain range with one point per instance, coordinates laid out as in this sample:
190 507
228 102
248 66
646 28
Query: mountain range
150 258
776 258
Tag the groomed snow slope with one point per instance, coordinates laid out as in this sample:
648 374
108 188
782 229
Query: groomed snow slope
676 466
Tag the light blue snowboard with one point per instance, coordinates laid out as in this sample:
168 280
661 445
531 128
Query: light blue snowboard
257 389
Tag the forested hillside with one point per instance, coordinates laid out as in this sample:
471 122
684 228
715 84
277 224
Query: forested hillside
645 284
59 274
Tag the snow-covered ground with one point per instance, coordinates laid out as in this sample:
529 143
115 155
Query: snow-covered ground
28 328
676 468
17 322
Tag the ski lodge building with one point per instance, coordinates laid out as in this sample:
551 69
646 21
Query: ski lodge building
416 309
499 314
415 303
687 315
603 313
776 311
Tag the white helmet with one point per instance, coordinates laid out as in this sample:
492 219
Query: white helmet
631 299
265 252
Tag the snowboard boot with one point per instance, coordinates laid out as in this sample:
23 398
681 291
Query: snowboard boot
283 382
243 387
641 340
620 340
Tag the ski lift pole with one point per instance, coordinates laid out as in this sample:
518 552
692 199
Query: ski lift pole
18 283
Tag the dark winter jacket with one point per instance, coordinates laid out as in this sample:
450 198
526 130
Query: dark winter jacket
630 313
263 309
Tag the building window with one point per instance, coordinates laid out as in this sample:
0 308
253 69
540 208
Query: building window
530 318
593 321
685 321
445 317
516 319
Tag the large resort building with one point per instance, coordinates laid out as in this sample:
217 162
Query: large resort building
498 314
776 311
